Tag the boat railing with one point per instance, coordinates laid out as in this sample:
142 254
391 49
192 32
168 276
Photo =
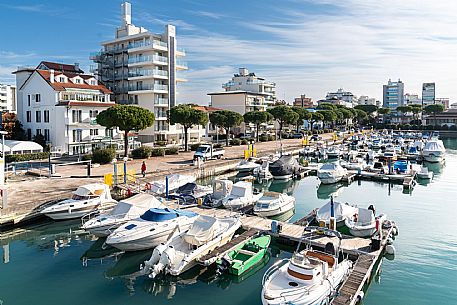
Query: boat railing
85 218
273 269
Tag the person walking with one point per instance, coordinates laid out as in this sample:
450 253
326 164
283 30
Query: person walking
143 169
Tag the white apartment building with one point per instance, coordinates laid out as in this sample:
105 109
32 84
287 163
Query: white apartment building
61 103
412 99
8 98
142 68
238 101
347 98
365 100
249 82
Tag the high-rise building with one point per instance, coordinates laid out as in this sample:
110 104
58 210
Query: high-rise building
393 94
249 82
8 98
412 99
141 68
428 94
304 102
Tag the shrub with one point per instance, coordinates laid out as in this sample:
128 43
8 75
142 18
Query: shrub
103 155
142 152
217 145
26 157
244 142
270 138
263 138
193 147
158 152
86 157
161 143
235 142
171 150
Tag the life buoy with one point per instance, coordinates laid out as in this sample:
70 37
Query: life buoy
147 186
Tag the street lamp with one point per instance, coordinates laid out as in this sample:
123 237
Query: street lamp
2 170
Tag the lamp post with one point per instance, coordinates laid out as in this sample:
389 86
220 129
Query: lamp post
2 170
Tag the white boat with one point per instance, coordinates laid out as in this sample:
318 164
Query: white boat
330 173
246 166
152 228
221 189
274 204
263 171
181 252
424 173
333 152
363 222
242 194
104 224
434 151
190 193
310 277
341 211
86 199
174 182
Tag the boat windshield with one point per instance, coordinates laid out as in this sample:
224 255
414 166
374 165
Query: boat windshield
78 197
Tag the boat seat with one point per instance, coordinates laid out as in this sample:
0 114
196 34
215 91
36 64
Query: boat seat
323 257
250 253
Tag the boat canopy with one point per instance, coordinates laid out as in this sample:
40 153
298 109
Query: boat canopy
241 189
203 230
160 215
329 167
136 205
94 189
436 145
341 210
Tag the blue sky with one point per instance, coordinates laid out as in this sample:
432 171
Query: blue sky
304 46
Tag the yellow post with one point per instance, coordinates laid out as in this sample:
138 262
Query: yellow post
108 179
246 154
254 152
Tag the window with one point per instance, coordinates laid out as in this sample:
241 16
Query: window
62 79
46 134
77 135
46 116
29 116
38 116
37 98
28 100
76 116
93 113
93 82
38 132
77 81
29 134
94 132
109 132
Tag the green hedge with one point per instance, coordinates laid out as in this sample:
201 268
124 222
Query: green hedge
161 143
244 142
86 158
26 157
235 142
263 138
103 155
158 152
142 152
217 145
171 150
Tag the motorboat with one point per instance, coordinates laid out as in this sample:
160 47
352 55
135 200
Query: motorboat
174 181
376 144
274 204
341 211
190 192
86 199
263 172
246 166
434 151
310 277
424 173
104 224
155 226
330 173
241 195
180 253
413 151
333 152
377 167
221 189
363 222
285 167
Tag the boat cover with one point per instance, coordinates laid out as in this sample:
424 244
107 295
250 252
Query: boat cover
241 189
188 188
329 167
93 189
174 181
341 210
365 216
136 205
286 165
160 215
434 146
204 229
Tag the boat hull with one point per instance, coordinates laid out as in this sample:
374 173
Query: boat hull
275 212
70 214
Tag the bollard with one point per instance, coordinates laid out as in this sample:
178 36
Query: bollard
89 166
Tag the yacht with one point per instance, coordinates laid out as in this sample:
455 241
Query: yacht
86 199
180 253
242 194
434 151
330 173
310 277
104 224
155 226
273 204
424 173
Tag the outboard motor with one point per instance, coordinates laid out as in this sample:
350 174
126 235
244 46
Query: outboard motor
155 257
371 207
165 260
330 248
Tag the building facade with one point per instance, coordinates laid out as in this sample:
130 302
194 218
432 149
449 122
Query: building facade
61 103
412 99
142 68
428 94
249 82
393 94
8 98
448 117
365 100
443 101
348 99
304 102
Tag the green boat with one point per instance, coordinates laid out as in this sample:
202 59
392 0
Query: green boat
246 256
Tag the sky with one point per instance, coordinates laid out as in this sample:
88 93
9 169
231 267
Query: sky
304 46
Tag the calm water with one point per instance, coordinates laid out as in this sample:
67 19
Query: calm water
45 265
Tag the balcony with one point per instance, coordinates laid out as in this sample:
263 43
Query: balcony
148 59
180 52
228 84
160 115
156 44
181 64
161 102
152 72
148 87
260 82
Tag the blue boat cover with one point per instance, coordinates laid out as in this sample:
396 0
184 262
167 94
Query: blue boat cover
159 215
402 165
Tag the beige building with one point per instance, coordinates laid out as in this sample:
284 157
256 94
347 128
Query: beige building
238 101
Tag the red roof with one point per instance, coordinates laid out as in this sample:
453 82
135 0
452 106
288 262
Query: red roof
207 108
61 67
62 86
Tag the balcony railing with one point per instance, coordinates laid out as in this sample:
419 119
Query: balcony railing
181 63
135 87
140 59
161 101
159 43
155 43
228 84
259 82
148 73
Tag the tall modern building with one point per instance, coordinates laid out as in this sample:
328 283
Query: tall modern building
141 68
249 82
428 94
8 98
393 94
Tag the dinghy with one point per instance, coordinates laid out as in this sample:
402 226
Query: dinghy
363 222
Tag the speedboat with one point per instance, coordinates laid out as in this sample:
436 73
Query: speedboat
274 204
221 189
424 173
180 253
242 194
246 166
341 211
310 277
285 167
86 199
263 171
377 167
127 209
190 193
363 222
333 152
174 181
155 226
434 151
330 173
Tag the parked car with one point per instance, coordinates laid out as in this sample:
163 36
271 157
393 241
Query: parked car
297 135
208 151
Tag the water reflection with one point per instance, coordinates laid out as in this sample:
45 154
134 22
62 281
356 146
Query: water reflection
99 251
325 191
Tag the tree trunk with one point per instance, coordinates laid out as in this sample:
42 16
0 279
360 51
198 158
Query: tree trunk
257 132
280 130
227 132
311 123
126 143
185 138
